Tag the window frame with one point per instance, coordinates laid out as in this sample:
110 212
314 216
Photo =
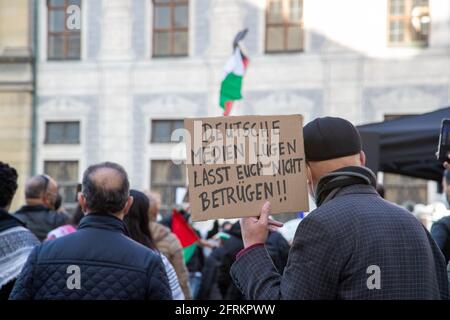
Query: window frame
66 34
64 184
168 183
285 24
407 41
171 4
389 179
46 136
172 128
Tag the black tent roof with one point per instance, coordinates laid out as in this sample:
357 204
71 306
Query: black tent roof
406 145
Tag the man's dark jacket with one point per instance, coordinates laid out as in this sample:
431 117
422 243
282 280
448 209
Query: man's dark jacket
441 234
278 249
40 220
111 265
343 248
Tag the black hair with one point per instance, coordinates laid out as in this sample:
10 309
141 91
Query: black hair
102 198
8 184
77 216
58 202
137 220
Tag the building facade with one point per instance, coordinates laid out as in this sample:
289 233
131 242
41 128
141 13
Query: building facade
16 88
115 77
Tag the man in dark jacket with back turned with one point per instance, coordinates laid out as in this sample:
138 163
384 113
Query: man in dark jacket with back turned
355 245
39 215
98 261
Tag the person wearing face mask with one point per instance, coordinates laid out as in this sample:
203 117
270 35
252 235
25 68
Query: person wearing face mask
440 230
355 245
39 215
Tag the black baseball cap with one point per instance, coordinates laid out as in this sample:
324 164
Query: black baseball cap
330 138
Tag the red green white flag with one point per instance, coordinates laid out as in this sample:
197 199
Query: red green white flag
231 86
185 234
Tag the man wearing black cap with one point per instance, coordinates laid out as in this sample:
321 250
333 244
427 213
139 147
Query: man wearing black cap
355 245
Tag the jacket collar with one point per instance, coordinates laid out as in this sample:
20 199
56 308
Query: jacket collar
103 221
36 208
332 183
357 189
8 221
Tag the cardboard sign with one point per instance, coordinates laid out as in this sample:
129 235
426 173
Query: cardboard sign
235 164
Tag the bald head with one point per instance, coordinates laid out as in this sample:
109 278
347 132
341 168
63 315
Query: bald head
41 189
105 188
155 204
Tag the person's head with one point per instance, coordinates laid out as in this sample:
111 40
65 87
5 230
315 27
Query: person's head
446 185
105 190
137 219
226 226
330 144
41 190
155 204
8 185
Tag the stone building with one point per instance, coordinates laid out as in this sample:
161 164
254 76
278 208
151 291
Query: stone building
113 85
16 88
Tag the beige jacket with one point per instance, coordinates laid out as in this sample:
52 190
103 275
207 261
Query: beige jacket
169 245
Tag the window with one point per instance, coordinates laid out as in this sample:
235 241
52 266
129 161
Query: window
62 132
66 175
63 43
170 27
402 189
408 22
284 26
166 178
162 129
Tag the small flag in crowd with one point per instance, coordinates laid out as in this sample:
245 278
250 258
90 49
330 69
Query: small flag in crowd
185 234
234 71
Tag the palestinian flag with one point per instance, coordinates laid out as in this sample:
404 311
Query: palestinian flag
234 71
185 234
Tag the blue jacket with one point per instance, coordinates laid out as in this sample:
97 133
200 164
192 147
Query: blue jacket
98 262
355 246
441 234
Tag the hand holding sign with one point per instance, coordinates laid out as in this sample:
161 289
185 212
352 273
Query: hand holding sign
255 230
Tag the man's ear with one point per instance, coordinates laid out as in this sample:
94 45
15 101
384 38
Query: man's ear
82 201
128 205
362 158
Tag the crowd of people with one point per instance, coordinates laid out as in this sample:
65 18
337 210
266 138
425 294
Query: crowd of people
114 247
114 236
